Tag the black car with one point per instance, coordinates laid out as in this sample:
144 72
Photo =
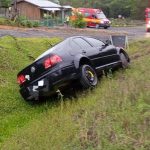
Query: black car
76 58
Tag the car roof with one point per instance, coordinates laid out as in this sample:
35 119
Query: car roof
73 37
84 37
65 44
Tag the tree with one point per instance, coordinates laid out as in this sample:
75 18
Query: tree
113 8
5 3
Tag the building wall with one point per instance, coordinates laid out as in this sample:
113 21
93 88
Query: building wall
31 11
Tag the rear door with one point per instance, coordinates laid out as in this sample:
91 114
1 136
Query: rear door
87 49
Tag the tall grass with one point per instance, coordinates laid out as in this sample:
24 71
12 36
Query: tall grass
115 115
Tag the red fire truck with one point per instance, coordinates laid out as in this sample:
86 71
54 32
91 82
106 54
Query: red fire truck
147 16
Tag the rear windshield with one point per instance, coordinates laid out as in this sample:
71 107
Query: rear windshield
51 50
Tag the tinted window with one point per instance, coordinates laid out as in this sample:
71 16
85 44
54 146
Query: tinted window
82 43
95 42
75 48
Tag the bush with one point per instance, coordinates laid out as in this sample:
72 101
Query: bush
23 21
20 21
36 24
78 22
4 21
29 24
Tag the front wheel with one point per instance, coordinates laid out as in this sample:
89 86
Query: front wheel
88 76
97 26
124 61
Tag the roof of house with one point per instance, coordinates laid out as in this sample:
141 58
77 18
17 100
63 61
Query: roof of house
67 7
51 9
42 3
46 5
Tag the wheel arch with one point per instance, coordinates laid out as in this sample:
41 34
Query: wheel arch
121 50
81 60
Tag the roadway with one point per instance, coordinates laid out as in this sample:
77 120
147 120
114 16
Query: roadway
133 33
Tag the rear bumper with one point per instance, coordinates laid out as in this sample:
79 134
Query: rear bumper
47 84
34 90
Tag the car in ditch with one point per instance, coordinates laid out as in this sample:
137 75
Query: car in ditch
77 58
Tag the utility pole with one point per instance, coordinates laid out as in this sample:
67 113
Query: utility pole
14 10
15 4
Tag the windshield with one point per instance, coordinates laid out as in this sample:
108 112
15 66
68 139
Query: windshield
101 16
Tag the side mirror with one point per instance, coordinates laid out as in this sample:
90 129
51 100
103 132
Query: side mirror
94 17
108 42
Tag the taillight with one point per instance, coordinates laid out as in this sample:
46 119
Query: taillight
21 79
51 61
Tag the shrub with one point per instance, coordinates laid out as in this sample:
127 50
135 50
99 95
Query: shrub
23 21
78 22
4 21
29 24
36 24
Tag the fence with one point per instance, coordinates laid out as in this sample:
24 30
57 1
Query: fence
51 22
4 12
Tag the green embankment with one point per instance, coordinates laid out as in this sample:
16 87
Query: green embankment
115 115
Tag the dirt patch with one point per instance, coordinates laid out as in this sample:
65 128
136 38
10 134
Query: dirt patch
140 54
3 82
10 27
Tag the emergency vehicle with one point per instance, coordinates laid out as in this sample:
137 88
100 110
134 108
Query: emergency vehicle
147 19
94 17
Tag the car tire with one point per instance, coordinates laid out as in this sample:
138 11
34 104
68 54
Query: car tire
124 61
97 26
148 30
105 27
88 77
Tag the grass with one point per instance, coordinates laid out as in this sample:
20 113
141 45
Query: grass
115 115
127 22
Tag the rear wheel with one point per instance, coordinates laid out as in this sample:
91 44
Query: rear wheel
88 77
148 29
105 27
124 61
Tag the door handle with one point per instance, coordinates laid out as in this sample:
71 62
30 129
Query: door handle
83 51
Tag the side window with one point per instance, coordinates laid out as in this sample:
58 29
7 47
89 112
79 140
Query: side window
82 43
75 48
95 42
86 14
94 16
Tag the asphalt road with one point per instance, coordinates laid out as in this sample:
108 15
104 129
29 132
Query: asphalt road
64 32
